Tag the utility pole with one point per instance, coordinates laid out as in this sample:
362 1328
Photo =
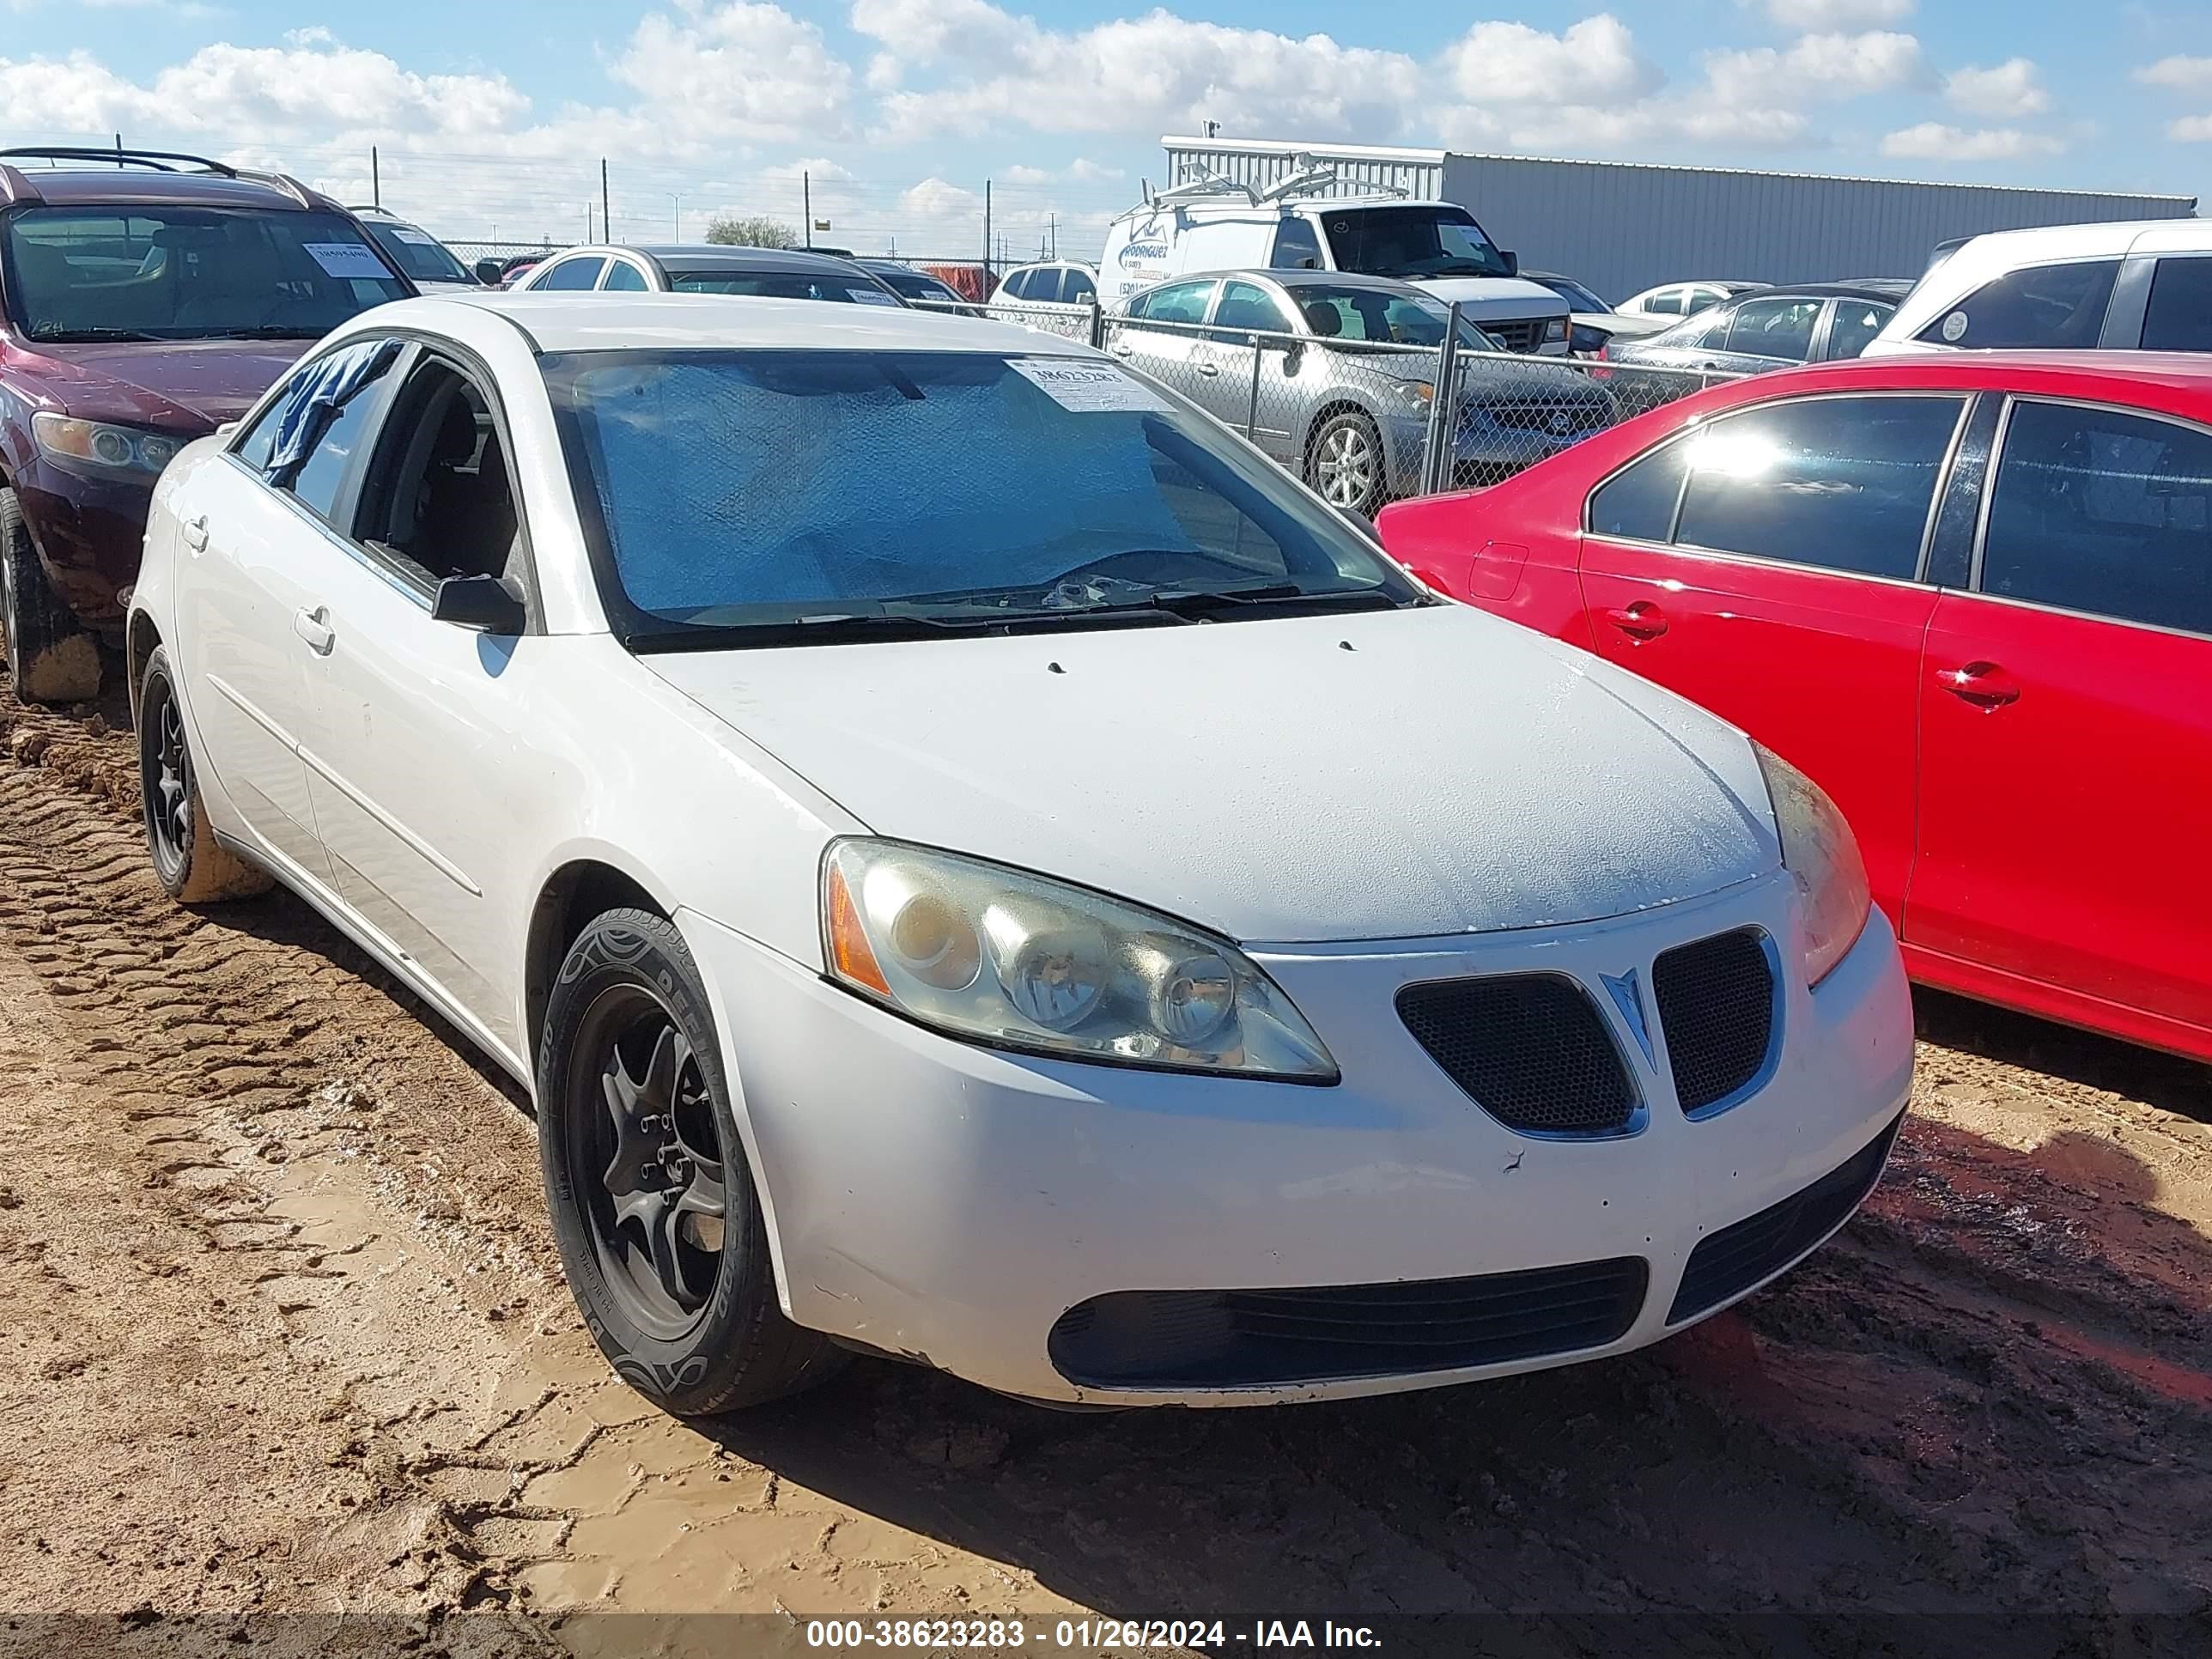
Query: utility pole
119 149
987 239
375 179
606 218
806 204
676 225
1052 223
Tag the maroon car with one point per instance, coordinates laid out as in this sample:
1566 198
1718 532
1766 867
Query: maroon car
145 299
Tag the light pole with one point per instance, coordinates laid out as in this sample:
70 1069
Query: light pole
677 224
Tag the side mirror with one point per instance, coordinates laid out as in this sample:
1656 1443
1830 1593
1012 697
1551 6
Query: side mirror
483 603
488 271
1512 262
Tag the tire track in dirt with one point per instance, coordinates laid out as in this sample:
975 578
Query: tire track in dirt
1988 1395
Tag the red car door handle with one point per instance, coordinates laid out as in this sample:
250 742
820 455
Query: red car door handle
1640 620
1985 684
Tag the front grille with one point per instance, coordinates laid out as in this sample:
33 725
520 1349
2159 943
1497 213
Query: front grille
1257 1339
1531 1049
1519 333
1553 419
1716 1001
1737 1257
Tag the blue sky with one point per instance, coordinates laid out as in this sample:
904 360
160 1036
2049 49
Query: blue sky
495 115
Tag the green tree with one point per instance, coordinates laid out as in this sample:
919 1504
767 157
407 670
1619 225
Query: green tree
750 230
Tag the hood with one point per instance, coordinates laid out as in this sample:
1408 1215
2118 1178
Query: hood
1495 296
192 385
1371 777
1623 325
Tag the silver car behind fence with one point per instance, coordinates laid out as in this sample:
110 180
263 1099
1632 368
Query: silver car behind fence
1359 421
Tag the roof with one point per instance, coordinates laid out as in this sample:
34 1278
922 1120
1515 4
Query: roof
2185 375
132 187
1323 154
1293 277
1873 288
715 256
607 322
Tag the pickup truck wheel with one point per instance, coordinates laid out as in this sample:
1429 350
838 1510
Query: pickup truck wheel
1345 463
653 1204
50 656
191 864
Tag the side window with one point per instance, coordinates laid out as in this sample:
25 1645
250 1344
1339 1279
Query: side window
321 425
1856 323
1774 328
624 278
2180 314
258 439
1076 287
1018 285
1699 298
1841 483
1637 502
1667 302
2056 306
571 274
1179 302
1247 308
438 500
1297 247
2102 512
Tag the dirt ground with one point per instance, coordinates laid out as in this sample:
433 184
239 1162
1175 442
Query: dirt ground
283 1333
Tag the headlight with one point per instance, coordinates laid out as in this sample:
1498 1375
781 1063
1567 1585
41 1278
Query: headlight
1822 856
1419 394
993 955
90 445
1555 330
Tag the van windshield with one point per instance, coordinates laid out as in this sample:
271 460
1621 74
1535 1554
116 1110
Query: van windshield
1412 241
160 272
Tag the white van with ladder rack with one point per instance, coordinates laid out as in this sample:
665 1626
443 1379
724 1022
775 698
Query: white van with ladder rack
1208 222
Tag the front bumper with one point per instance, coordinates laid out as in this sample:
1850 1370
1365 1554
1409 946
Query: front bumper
950 1203
90 534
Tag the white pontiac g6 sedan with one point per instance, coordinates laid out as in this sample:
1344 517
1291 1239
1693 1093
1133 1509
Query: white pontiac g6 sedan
976 865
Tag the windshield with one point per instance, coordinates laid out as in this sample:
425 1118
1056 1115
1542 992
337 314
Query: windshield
189 273
417 253
1576 297
780 285
915 286
1412 241
776 490
1368 313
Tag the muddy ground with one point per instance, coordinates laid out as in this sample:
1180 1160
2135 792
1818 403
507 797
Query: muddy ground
283 1332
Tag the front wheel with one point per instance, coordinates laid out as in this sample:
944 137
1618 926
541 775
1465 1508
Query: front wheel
652 1206
192 867
50 656
1346 465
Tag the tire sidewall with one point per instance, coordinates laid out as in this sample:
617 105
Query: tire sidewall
624 949
159 681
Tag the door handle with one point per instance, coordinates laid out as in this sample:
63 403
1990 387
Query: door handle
1121 348
1207 369
194 530
314 627
1640 620
1983 684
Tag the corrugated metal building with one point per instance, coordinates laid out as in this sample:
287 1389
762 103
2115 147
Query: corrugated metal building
1623 226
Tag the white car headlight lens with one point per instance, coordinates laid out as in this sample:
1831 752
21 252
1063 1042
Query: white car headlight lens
993 955
92 444
1822 855
1556 329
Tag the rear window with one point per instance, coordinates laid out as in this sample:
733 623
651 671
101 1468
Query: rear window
739 489
780 285
2059 307
417 253
189 273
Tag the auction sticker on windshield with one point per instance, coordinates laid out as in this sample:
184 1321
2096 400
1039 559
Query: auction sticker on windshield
346 259
1087 388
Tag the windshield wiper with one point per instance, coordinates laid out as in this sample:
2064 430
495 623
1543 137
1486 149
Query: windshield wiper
870 626
264 332
1202 604
85 336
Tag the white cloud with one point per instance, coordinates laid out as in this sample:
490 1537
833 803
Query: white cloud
2191 130
2011 88
1514 64
1837 13
1932 141
1130 74
2181 74
321 86
1590 129
1816 66
744 70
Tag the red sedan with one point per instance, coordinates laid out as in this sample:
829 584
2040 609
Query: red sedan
1970 594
